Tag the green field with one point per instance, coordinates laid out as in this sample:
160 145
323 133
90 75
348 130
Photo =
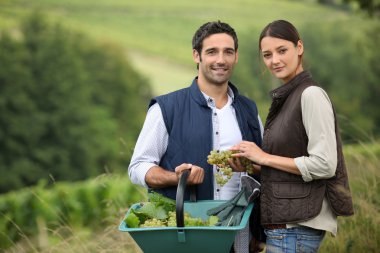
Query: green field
157 34
84 217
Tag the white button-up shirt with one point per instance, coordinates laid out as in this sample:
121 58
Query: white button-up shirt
153 140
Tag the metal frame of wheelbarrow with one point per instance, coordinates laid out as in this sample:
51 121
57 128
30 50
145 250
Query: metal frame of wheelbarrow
183 239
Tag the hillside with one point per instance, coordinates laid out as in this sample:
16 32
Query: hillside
157 34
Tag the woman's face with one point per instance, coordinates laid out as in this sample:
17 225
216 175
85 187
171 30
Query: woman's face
282 57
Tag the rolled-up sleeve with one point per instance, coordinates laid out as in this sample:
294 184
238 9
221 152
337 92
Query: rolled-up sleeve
150 146
318 119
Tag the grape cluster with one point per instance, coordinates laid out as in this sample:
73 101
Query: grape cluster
224 172
153 223
171 221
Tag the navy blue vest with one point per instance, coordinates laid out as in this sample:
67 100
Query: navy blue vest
188 120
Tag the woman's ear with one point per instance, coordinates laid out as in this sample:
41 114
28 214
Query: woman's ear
300 47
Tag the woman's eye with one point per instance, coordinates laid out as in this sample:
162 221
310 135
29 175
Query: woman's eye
266 56
283 51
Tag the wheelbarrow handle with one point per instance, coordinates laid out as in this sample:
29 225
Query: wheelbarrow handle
180 197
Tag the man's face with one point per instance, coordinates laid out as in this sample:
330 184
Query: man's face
217 59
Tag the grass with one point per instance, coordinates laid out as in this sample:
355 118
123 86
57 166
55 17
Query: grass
157 34
69 240
361 232
358 233
160 31
156 71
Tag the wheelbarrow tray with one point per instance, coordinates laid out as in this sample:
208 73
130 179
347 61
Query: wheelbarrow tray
188 239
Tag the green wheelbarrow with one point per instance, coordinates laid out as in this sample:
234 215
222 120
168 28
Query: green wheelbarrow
183 239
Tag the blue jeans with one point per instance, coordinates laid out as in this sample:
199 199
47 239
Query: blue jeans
293 240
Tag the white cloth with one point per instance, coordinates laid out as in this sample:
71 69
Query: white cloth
153 140
318 120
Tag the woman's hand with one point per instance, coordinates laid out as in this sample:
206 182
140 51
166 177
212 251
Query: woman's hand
196 173
251 151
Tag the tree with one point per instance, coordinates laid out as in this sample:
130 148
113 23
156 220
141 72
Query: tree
344 61
65 103
372 7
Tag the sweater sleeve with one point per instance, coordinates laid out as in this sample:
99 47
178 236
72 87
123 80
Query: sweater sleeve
318 120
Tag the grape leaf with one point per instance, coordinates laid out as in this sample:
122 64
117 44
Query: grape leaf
160 200
150 210
132 220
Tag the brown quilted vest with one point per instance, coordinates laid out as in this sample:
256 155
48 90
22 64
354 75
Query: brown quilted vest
285 197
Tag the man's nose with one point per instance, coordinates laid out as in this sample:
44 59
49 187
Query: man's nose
221 58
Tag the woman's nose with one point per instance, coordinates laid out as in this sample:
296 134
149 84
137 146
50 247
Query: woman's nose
275 58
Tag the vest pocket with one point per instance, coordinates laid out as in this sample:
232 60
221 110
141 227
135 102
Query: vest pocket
290 190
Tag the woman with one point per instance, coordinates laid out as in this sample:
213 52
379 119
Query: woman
303 175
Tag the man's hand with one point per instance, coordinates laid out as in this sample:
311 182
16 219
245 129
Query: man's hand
196 173
237 167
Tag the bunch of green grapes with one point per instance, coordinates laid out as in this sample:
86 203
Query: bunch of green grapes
192 221
220 159
172 220
153 223
189 221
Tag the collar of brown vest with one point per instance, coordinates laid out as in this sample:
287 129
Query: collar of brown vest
280 94
284 90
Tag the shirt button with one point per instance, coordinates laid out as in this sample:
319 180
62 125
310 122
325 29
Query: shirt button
217 133
215 113
217 190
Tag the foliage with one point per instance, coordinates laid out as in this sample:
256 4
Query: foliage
170 25
353 73
372 7
94 203
360 232
344 61
160 211
165 28
65 103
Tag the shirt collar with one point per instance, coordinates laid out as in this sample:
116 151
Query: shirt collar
211 101
205 100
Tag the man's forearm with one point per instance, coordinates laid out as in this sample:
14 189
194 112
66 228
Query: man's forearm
157 177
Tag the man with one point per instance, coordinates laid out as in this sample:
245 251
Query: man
182 127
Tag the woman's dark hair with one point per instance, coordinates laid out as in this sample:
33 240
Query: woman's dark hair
280 29
211 28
